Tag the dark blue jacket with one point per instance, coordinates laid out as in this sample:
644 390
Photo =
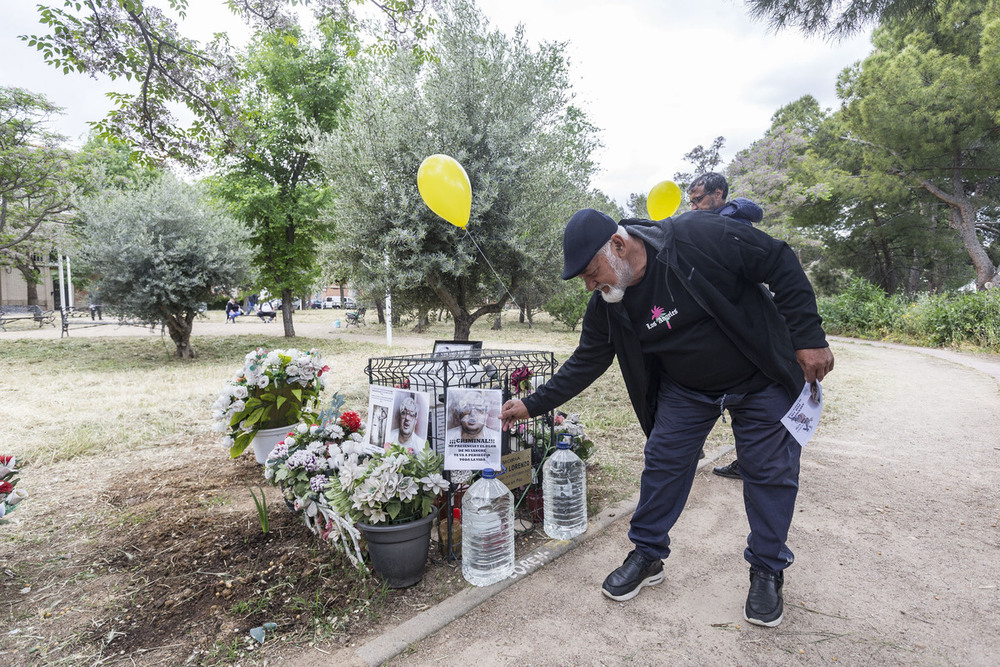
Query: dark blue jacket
743 210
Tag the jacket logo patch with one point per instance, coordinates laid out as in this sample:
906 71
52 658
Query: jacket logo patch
660 317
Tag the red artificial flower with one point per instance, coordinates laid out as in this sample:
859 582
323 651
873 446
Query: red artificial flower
322 370
350 420
5 459
6 487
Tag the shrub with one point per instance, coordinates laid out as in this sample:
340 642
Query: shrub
569 305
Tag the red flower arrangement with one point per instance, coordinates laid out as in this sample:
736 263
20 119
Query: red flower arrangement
350 420
520 380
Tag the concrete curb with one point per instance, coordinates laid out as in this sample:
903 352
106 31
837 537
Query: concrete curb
387 646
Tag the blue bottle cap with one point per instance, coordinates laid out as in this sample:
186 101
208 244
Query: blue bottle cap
490 473
564 441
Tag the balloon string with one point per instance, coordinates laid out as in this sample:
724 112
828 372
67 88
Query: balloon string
513 300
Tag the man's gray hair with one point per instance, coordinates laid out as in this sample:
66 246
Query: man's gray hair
622 232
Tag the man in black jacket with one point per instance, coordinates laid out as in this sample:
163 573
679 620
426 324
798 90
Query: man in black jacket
682 304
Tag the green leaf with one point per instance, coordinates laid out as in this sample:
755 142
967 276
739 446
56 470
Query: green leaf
392 508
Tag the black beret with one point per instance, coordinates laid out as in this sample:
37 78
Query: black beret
586 233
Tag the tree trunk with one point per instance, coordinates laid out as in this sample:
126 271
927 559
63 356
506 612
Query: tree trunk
380 308
463 326
913 284
30 274
179 329
963 220
286 312
531 321
497 323
423 322
520 317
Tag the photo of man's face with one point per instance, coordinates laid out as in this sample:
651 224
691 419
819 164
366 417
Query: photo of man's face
407 417
472 416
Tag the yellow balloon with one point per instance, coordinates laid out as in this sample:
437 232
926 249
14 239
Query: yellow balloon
663 200
444 187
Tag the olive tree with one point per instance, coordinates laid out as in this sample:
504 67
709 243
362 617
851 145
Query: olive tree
160 252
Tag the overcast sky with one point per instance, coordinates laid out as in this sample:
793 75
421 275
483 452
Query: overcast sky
658 77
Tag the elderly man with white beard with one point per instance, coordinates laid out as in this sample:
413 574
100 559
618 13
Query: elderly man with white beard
681 303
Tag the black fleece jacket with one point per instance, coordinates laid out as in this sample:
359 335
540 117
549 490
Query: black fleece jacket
724 265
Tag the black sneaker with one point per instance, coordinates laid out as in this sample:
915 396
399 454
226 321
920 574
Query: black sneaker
732 470
765 606
637 571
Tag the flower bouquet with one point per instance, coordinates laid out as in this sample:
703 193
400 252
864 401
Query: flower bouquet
395 485
304 463
9 496
273 389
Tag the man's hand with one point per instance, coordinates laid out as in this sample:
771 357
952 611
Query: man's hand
513 411
815 363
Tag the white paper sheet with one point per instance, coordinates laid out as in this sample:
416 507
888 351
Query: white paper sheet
802 418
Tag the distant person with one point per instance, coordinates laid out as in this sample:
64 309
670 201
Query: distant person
94 299
233 310
266 312
406 435
471 416
708 192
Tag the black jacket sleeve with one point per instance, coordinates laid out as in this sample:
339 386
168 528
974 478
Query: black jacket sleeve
593 356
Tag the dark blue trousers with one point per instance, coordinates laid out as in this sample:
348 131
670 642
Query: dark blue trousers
769 463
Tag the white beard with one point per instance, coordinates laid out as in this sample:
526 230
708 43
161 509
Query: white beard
623 274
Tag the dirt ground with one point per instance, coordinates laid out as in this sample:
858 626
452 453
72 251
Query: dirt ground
159 559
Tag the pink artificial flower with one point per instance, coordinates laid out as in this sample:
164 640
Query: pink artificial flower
560 419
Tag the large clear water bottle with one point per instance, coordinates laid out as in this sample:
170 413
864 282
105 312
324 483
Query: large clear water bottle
564 492
487 531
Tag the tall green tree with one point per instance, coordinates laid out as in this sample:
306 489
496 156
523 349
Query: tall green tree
161 251
273 183
37 173
924 106
836 18
139 41
502 109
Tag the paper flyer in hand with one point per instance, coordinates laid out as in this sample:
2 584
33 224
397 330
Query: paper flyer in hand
802 418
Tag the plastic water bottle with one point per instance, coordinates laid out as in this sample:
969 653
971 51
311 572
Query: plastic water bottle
564 492
487 531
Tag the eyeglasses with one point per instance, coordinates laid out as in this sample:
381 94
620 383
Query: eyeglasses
407 413
697 200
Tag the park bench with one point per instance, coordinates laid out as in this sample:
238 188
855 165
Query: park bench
356 317
10 314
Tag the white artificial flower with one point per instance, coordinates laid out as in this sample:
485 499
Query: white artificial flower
263 381
218 427
240 392
290 441
314 429
301 428
228 441
239 406
16 496
435 482
407 489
